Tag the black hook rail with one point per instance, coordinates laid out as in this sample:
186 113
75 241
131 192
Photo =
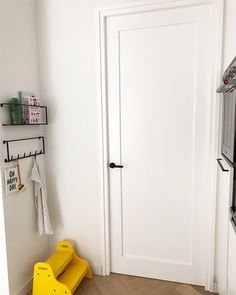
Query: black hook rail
11 158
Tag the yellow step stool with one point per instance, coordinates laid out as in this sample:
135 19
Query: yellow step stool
62 273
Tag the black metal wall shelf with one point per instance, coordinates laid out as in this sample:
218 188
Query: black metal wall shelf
27 124
11 158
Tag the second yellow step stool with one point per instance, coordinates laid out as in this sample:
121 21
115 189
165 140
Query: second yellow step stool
62 273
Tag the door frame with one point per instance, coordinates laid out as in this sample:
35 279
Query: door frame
101 15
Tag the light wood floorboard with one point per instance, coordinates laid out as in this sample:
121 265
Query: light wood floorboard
128 285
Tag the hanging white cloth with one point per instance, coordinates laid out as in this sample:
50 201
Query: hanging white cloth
40 194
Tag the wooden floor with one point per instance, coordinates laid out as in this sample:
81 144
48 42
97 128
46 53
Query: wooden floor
127 285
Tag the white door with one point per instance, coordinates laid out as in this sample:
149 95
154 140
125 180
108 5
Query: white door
159 91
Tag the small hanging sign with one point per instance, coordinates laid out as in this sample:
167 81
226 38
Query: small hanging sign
11 180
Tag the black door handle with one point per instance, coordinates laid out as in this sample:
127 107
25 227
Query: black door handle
233 224
113 165
221 166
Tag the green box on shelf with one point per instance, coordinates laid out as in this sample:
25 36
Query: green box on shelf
15 111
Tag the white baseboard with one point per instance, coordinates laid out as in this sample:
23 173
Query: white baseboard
97 269
26 288
215 288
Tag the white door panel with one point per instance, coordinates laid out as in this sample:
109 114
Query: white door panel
158 106
147 134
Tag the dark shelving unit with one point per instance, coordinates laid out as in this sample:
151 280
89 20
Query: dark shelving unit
27 124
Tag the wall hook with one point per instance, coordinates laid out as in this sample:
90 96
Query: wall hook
31 154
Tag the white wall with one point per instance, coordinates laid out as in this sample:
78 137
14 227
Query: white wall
19 71
4 283
69 83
